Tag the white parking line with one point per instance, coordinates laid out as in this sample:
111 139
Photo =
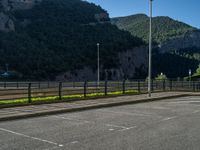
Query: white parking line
74 142
31 137
71 119
169 118
112 125
65 145
128 128
123 128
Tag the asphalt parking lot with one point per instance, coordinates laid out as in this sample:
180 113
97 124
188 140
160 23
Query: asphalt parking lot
172 124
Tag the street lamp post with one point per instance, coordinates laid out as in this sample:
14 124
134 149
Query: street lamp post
190 73
150 49
98 67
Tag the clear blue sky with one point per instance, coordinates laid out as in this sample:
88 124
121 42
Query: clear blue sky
187 11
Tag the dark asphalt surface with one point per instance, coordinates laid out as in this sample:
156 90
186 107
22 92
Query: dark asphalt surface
163 125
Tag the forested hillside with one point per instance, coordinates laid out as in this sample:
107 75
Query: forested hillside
178 43
56 36
176 64
163 28
50 38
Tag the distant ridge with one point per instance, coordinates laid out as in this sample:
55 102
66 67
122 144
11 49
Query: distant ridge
163 27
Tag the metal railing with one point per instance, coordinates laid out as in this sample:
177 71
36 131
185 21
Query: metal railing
63 90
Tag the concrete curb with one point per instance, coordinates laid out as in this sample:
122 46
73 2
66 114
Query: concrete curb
90 107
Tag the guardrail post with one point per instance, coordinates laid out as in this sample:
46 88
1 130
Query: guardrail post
29 93
156 84
60 91
182 84
139 89
106 88
123 86
193 86
85 88
163 85
152 85
170 85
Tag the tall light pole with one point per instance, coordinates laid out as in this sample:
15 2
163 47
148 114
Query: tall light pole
190 76
98 67
150 49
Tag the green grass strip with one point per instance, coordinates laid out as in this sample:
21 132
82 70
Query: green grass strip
65 97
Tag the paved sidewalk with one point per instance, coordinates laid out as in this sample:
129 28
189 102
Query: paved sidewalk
47 109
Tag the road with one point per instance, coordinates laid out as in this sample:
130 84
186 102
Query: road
172 124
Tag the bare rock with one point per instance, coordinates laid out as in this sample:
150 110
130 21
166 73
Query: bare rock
130 61
190 39
6 23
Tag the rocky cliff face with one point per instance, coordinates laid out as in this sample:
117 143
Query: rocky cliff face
10 5
6 22
191 39
7 6
134 63
130 62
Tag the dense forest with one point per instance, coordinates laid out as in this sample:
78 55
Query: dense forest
173 64
61 35
163 28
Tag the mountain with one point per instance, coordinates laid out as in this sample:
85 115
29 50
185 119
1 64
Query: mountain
57 39
176 44
43 39
163 28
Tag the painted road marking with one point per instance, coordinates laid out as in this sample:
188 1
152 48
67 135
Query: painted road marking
31 137
74 142
169 118
128 128
56 147
71 119
123 128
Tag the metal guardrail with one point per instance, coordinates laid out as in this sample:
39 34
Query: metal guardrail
30 90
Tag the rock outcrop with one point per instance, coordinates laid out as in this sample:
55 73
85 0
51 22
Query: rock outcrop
7 6
130 62
191 39
6 23
11 5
